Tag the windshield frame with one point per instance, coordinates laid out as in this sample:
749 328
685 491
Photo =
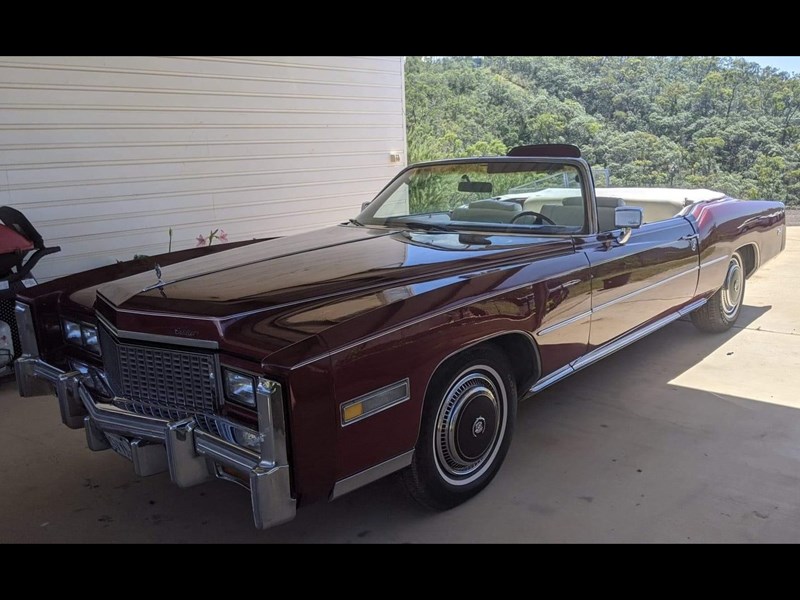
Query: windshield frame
586 187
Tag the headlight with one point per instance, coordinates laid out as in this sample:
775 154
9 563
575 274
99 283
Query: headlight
72 332
90 339
240 388
244 388
82 335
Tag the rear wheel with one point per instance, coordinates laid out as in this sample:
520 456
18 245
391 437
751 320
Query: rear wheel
723 308
467 422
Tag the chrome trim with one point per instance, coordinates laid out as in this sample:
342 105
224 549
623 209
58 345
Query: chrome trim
191 455
367 476
620 343
564 323
96 440
635 335
35 377
187 467
564 285
526 334
148 459
756 257
600 307
708 263
644 289
157 338
27 332
625 236
555 376
404 383
69 403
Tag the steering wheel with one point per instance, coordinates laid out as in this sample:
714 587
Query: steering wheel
540 216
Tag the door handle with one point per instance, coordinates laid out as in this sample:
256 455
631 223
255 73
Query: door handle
692 239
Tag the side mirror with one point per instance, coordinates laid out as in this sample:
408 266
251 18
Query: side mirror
627 218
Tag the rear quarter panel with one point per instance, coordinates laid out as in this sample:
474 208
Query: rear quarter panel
727 225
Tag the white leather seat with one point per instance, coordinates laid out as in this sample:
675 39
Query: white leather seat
564 215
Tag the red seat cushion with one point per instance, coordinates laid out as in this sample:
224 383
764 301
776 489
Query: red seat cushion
11 241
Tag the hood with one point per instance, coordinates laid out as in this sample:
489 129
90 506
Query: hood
267 295
309 267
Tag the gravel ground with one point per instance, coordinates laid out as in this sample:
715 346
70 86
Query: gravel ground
792 216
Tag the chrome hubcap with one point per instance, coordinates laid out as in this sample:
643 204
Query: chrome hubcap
469 425
732 289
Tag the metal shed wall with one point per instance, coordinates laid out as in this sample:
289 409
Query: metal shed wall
105 154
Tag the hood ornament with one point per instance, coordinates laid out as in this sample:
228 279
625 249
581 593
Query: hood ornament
160 283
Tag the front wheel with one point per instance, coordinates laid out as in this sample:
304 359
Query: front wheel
723 308
467 422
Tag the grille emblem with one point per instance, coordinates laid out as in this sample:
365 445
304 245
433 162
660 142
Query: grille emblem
186 332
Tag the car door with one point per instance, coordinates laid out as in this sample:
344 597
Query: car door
636 282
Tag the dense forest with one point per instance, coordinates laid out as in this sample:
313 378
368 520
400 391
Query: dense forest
713 122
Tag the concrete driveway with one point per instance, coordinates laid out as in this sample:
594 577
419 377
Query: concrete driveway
682 437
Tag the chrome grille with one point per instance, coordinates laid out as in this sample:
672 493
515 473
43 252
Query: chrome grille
171 383
206 422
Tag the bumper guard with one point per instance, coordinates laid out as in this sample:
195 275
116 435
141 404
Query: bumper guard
191 455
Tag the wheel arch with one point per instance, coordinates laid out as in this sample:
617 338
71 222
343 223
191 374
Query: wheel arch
519 347
751 257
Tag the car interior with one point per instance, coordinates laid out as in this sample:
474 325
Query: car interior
566 212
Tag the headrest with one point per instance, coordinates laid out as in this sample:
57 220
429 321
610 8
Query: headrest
609 202
496 205
572 201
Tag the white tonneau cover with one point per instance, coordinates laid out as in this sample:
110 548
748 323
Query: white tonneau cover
681 196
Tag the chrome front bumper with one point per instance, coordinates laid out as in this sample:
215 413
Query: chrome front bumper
191 454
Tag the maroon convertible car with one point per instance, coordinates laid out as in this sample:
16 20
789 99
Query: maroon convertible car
307 366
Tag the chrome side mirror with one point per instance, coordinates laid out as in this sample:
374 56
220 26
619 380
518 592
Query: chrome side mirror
627 218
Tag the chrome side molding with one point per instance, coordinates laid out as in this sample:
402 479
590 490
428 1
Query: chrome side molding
348 484
618 344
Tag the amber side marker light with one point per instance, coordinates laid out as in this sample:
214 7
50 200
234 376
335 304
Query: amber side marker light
374 402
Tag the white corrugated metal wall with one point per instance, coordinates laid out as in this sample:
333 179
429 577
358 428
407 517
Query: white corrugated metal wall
105 154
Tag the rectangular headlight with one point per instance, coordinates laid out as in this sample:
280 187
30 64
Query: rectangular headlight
72 332
81 334
240 388
90 340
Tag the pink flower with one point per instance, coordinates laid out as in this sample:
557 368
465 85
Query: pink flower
201 241
222 235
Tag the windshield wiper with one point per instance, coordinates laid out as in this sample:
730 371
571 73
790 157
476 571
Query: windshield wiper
355 222
422 225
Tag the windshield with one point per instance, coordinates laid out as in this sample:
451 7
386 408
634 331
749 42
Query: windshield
525 197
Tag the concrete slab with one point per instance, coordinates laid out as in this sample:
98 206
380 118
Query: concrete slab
682 437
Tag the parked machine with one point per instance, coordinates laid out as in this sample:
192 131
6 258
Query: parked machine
21 248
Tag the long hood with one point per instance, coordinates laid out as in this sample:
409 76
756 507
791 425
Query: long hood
269 295
311 267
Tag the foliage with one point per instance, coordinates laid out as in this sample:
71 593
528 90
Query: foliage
214 234
714 122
